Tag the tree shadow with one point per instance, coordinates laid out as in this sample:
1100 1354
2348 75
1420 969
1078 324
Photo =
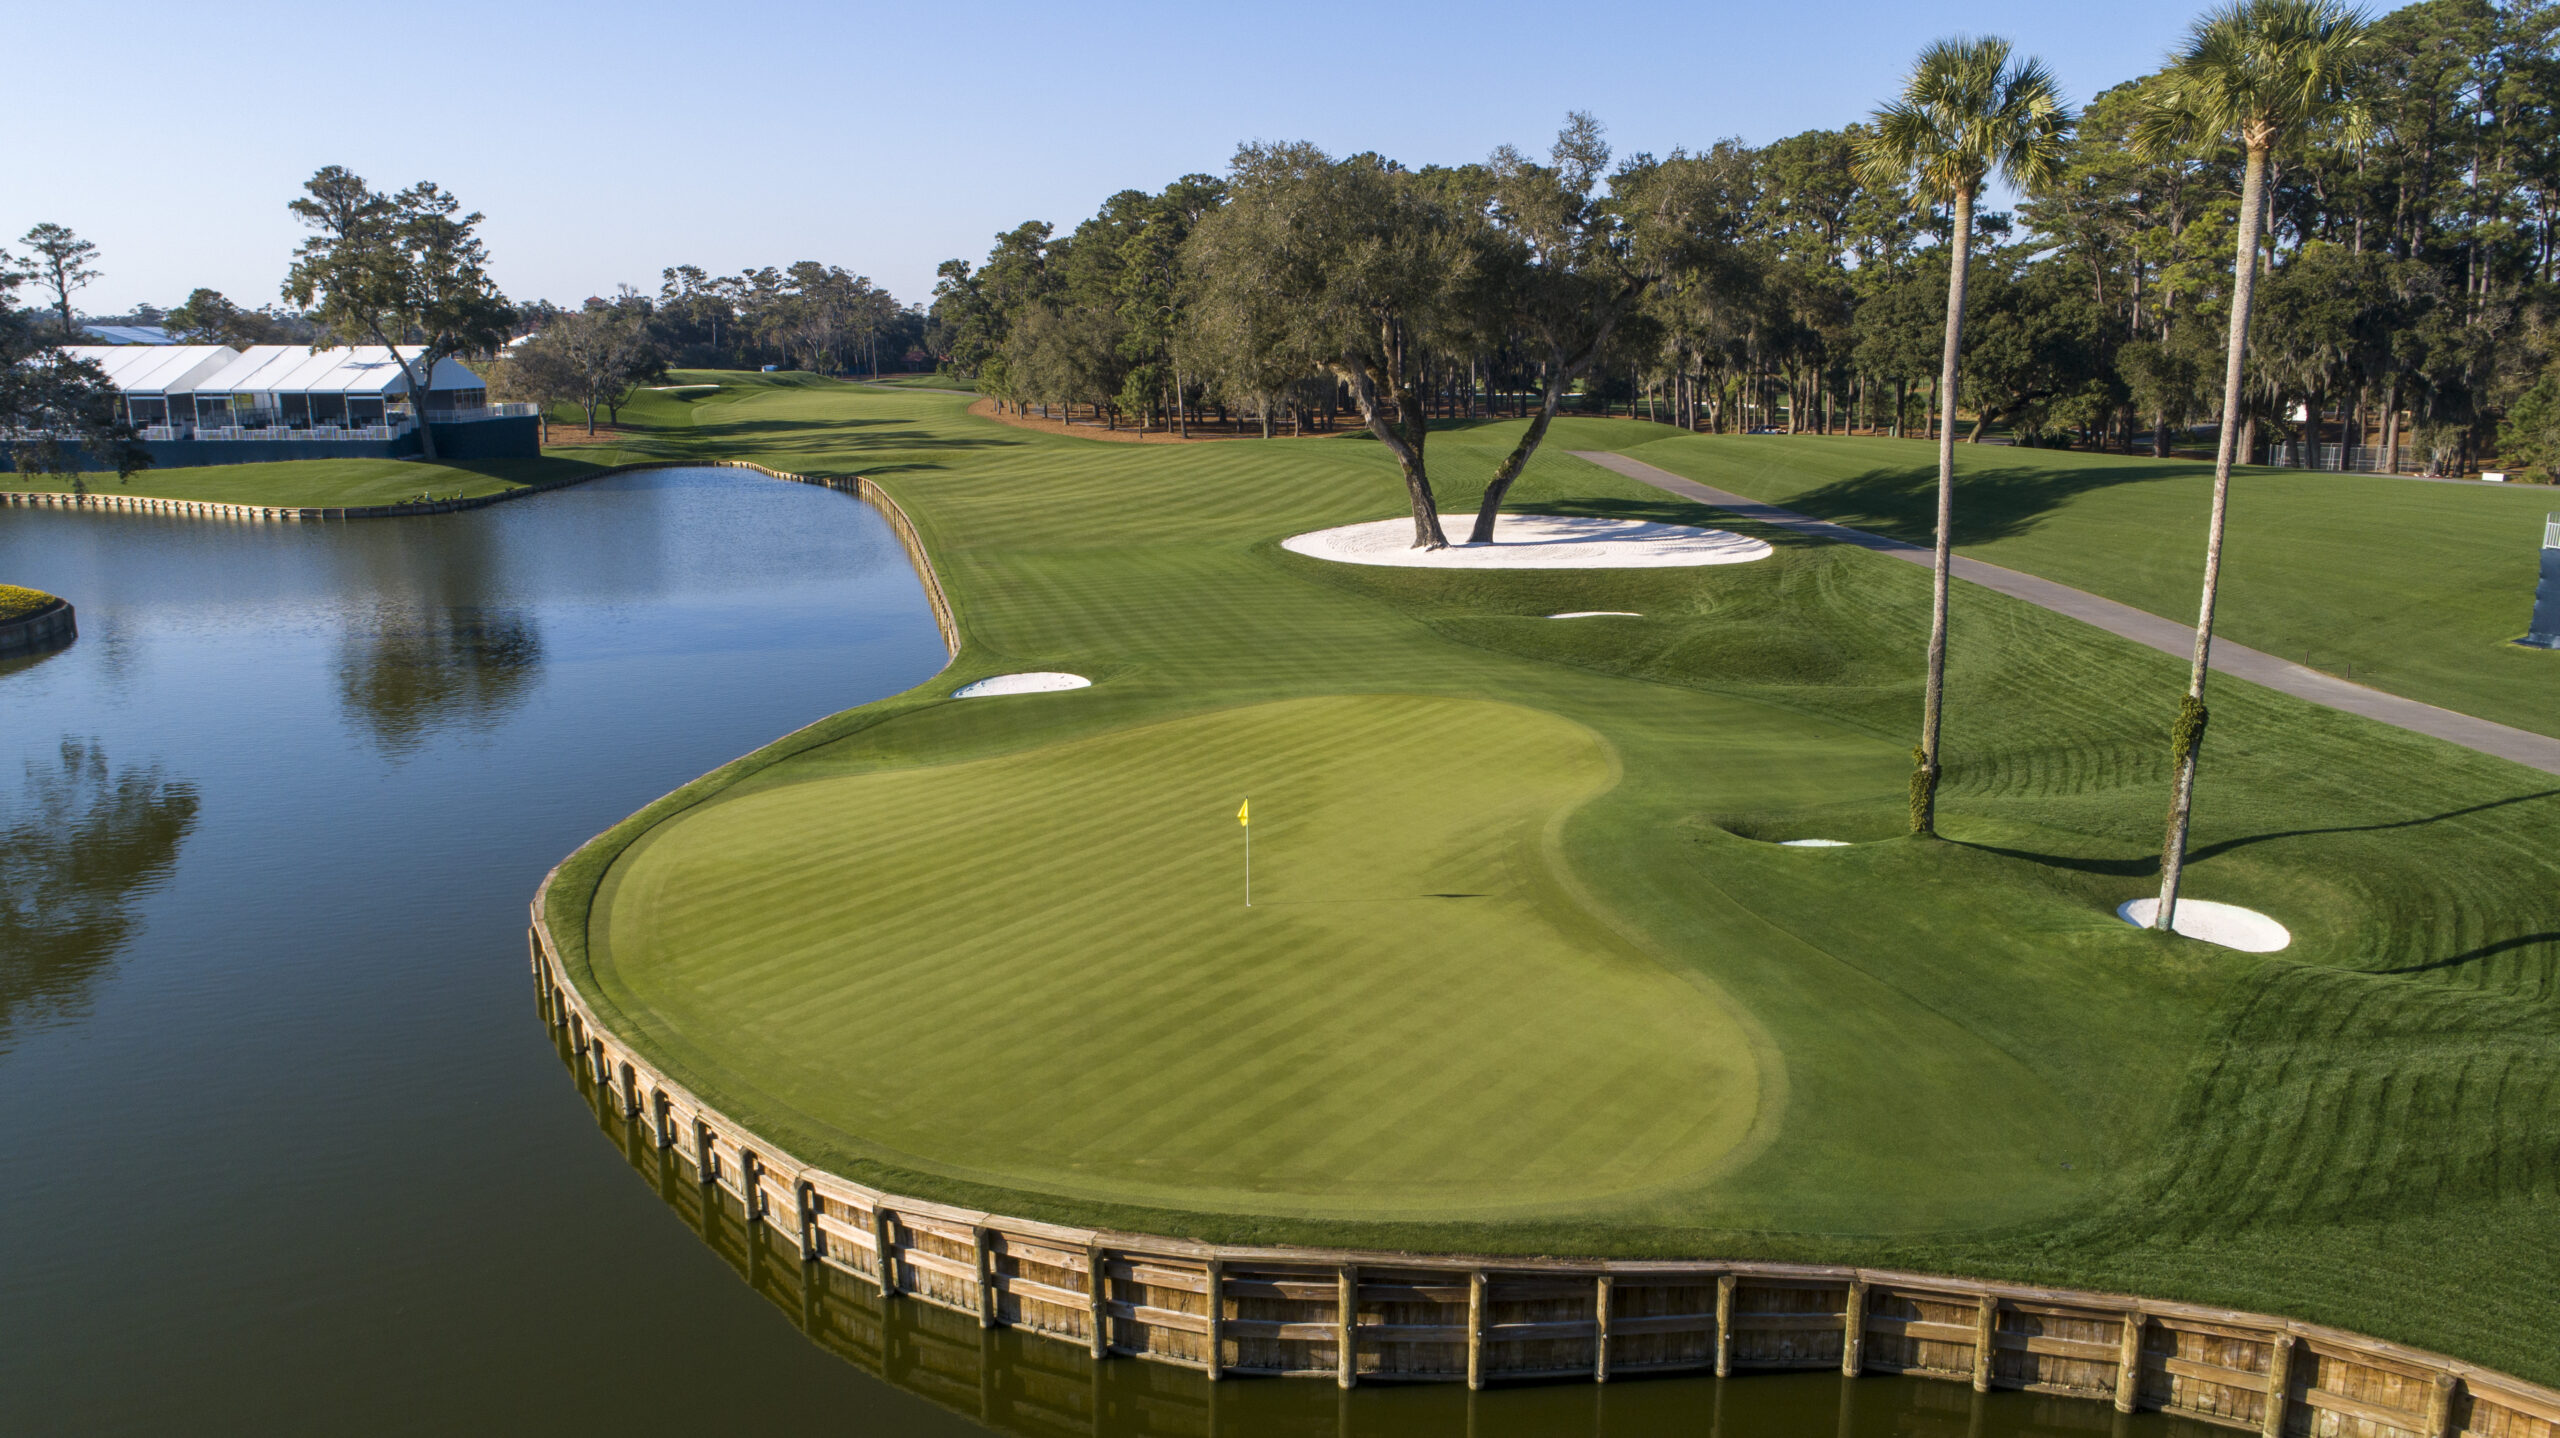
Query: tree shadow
1992 503
2470 956
2149 864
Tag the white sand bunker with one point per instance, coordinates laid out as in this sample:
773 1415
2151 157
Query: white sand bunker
1597 614
1039 681
2229 925
1535 541
1814 843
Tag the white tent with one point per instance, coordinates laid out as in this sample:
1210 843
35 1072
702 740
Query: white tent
156 369
294 386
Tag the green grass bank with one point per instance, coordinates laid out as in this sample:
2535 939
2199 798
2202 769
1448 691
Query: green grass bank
1525 972
327 483
17 601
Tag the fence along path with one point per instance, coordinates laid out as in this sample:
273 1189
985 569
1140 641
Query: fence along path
2523 746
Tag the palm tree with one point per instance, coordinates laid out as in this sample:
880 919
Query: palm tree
2261 74
1967 110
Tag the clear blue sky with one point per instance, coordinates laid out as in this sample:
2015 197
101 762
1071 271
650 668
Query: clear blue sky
606 142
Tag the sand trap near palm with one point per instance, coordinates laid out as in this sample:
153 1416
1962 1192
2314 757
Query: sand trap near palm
1535 541
2229 925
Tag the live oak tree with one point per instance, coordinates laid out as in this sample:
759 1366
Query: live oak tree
593 358
2262 74
1352 267
62 263
407 268
1968 110
59 412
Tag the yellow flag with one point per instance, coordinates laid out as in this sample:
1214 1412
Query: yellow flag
1244 813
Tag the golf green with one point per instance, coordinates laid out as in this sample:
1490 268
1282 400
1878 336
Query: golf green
1526 972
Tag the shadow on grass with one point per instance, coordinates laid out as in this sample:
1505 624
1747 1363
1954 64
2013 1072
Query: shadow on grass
1991 503
2149 865
2473 956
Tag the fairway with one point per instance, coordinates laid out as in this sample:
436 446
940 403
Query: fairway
1531 968
1414 1018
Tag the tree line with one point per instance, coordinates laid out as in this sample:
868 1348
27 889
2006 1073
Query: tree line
2405 279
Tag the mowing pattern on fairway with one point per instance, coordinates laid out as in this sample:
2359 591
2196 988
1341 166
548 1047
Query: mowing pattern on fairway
1965 1063
1410 1020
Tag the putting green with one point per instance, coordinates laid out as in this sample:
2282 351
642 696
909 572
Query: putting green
1416 1017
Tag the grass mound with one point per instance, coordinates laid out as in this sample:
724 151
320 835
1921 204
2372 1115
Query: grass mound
17 601
989 951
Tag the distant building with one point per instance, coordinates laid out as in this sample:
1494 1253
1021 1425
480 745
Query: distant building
212 404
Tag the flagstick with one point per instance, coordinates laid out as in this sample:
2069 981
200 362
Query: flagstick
1248 866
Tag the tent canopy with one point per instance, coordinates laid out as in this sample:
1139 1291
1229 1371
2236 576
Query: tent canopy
156 369
349 370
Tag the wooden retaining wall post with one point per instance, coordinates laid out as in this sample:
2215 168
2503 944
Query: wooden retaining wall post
1725 1283
1986 1322
1094 1275
805 1196
882 1226
666 1119
1217 1319
706 1152
2129 1362
630 1090
982 1256
2439 1419
751 1183
1346 1325
1475 1329
1600 1330
1853 1329
2279 1386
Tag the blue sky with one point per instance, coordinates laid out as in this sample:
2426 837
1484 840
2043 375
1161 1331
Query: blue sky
607 142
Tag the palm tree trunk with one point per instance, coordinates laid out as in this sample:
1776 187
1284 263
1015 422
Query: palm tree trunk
2187 740
1924 778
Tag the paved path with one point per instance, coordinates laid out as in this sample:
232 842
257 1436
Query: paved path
2537 751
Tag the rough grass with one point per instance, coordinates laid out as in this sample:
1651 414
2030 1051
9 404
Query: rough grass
2408 586
17 601
977 949
324 483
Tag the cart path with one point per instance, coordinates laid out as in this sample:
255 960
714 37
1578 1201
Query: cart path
2534 751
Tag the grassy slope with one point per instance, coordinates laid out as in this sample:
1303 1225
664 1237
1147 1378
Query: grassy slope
2411 587
2361 1130
326 483
18 601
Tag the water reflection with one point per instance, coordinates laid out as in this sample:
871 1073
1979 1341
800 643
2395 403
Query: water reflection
411 669
80 843
1023 1386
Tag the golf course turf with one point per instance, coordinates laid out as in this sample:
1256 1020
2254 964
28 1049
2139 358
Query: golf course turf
1525 971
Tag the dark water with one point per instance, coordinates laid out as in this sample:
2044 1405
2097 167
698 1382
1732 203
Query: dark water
288 1149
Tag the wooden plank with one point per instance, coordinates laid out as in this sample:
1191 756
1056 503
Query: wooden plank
1550 1328
1663 1323
1032 1288
2128 1362
936 1263
1895 1326
2279 1375
1475 1329
2388 1417
1724 1324
1786 1322
1287 1290
1986 1321
2215 1373
2056 1347
1158 1317
1318 1332
1156 1275
1413 1333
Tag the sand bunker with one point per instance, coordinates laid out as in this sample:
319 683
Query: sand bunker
1597 614
1814 843
1038 681
2229 925
1535 541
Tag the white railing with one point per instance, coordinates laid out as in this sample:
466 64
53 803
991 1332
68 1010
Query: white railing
511 410
2551 531
393 430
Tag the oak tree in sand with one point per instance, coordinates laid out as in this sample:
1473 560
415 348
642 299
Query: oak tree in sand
2262 74
1969 109
394 269
1352 267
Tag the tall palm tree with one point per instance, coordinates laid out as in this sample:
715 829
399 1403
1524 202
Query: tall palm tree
1969 109
2261 74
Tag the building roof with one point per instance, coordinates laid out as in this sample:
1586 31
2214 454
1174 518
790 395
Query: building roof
129 334
156 369
354 369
